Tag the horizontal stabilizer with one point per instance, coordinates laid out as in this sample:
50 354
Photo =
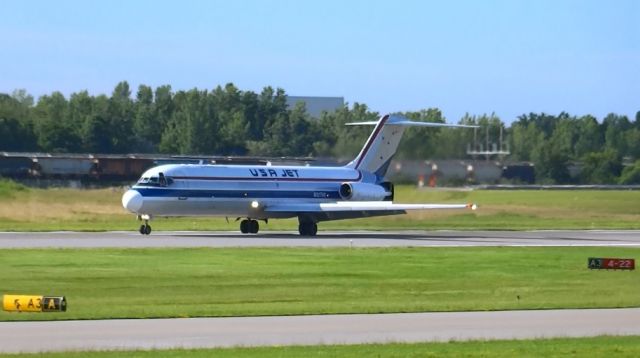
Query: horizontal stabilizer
402 121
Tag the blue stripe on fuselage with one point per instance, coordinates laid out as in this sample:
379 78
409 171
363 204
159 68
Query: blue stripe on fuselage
271 194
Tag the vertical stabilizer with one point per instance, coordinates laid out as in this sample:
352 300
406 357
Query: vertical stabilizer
378 150
383 142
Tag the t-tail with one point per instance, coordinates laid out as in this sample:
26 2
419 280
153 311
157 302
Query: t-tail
382 144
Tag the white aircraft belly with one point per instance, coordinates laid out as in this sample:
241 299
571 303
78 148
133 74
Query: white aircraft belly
171 206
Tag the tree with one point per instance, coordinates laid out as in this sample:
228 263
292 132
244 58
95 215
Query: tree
163 110
234 129
632 139
340 141
145 126
93 134
23 98
54 132
120 118
614 128
290 134
524 138
16 130
589 138
80 115
601 167
192 128
631 174
420 143
550 163
544 122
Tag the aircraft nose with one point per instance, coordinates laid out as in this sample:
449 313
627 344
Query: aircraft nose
132 201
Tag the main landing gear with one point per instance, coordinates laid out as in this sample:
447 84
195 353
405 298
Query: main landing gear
307 228
249 226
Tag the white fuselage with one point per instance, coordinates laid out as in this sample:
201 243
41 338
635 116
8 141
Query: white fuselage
235 190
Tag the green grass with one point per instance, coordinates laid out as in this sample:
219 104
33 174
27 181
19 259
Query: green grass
23 209
9 189
566 347
198 282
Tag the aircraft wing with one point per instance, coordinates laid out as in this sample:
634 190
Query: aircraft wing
354 209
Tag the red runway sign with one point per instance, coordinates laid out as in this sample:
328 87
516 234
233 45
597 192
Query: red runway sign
611 263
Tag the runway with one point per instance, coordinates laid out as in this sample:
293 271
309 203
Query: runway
128 239
326 329
311 330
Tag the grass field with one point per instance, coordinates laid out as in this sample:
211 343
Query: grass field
23 209
137 283
566 347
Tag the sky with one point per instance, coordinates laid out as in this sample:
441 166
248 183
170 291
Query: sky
508 57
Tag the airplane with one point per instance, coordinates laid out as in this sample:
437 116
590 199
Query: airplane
261 192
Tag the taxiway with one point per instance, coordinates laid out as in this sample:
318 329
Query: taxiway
128 239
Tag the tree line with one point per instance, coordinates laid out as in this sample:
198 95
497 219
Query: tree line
229 121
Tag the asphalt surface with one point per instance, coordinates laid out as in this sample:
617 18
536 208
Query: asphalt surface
310 330
327 329
324 239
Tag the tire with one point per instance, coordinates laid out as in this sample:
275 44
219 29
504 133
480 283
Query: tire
147 229
254 227
302 229
244 226
141 230
308 229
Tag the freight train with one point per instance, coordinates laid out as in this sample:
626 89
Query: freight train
129 167
107 167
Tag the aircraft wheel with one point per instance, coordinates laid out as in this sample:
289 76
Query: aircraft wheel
142 230
254 227
244 226
308 229
147 229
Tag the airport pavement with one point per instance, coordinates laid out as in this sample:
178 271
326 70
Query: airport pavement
128 239
326 329
311 330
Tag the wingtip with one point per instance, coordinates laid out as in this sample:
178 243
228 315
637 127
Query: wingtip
472 206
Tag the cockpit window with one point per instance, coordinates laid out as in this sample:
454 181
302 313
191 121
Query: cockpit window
155 181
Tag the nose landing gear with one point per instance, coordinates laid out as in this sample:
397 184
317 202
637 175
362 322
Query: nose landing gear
145 229
249 226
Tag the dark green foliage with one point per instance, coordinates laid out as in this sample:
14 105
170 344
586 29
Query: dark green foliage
16 129
421 142
229 121
601 167
631 174
550 164
340 141
53 125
